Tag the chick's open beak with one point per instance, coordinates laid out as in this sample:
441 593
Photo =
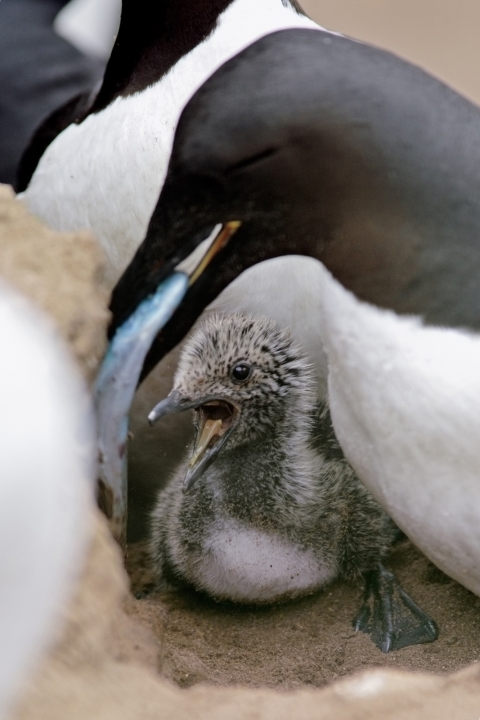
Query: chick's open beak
210 430
216 418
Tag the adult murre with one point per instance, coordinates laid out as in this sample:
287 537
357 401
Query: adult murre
349 155
267 508
105 170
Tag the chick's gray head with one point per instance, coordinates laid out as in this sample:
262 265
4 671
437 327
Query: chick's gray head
245 377
251 364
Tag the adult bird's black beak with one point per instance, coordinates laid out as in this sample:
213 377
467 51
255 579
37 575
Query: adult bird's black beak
149 267
216 420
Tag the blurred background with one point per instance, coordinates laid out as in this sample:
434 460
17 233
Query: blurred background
441 36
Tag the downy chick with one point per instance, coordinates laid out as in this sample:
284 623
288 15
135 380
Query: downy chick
267 508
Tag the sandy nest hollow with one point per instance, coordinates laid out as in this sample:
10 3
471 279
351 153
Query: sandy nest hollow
309 642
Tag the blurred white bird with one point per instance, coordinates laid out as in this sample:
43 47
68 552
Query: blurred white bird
46 472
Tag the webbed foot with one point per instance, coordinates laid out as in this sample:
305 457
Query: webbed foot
391 618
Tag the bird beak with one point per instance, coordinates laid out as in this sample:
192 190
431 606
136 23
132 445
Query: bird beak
172 403
147 271
216 420
221 237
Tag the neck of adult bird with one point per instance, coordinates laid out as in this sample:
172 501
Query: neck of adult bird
153 36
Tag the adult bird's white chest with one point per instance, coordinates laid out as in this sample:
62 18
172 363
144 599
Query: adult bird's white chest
405 404
246 564
106 173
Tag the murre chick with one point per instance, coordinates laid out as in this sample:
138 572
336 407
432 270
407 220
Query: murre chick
267 508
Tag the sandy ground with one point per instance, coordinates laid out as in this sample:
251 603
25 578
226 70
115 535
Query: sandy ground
305 643
116 654
62 273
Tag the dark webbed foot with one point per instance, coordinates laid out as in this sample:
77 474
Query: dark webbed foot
391 618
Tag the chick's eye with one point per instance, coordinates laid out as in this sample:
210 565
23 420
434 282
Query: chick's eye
241 372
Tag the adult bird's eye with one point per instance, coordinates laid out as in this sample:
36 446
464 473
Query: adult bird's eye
252 160
241 372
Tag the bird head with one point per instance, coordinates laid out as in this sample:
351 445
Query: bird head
243 376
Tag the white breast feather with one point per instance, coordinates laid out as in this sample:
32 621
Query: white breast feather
248 565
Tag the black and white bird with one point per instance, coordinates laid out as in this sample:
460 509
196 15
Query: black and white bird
105 170
317 145
267 508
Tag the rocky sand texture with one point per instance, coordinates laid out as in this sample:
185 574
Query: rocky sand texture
180 655
60 272
108 664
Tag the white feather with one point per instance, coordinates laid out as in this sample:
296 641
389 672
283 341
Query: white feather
46 468
405 404
248 565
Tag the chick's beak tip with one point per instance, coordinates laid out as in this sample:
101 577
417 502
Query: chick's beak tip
170 404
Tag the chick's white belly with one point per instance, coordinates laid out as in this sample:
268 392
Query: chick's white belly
245 564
